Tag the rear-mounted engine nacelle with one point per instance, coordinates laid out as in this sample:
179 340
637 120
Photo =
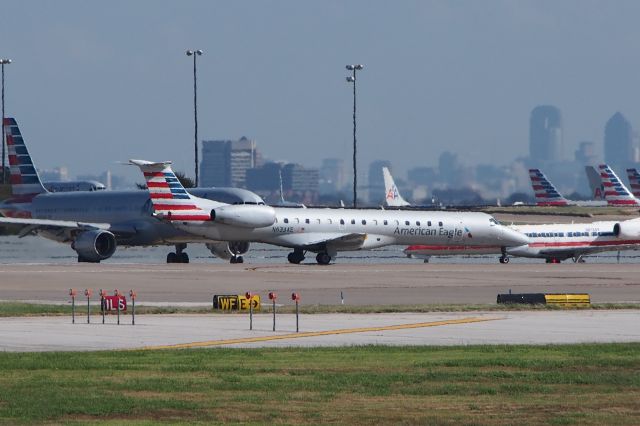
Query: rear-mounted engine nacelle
227 250
94 246
244 215
627 230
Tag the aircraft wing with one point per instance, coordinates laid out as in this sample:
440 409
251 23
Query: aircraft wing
316 241
61 226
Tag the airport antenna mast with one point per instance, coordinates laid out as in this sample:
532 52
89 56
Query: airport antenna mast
352 79
195 54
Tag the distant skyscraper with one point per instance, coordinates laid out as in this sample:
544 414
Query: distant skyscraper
586 154
619 142
225 163
296 177
332 175
545 135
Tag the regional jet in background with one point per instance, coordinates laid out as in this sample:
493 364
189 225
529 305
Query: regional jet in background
323 231
553 242
74 185
615 192
95 222
634 182
547 195
392 195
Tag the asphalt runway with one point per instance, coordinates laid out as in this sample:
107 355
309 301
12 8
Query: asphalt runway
154 332
360 284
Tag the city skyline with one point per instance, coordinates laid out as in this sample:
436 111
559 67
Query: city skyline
459 77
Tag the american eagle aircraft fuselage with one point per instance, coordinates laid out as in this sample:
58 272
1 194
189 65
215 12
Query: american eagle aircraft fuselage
324 231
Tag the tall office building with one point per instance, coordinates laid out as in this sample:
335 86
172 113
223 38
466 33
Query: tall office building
619 142
545 135
332 175
225 163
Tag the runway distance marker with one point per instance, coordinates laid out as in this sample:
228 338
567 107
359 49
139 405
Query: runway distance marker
468 320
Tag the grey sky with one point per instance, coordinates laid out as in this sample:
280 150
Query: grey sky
94 83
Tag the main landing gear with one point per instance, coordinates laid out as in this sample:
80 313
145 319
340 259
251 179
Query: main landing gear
236 259
504 258
178 256
296 256
323 258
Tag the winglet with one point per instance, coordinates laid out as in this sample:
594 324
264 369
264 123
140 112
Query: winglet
392 197
546 194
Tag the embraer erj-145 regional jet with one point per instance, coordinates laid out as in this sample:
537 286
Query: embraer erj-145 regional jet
553 242
94 222
323 231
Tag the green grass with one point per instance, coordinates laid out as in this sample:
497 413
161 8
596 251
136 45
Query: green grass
574 384
20 309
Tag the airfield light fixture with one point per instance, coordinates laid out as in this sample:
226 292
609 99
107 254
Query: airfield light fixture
3 62
195 54
352 79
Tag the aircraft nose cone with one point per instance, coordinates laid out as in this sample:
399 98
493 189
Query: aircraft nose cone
513 238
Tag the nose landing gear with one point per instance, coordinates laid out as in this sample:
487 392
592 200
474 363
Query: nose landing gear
504 258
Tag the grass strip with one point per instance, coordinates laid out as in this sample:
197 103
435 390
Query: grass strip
585 384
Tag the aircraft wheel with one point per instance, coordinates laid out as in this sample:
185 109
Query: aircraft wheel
184 257
295 258
239 259
323 258
172 258
504 259
233 259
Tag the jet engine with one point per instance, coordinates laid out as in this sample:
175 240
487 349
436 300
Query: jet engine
627 230
227 250
94 246
244 215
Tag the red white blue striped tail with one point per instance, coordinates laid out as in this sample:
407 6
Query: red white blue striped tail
25 182
546 194
634 182
615 192
169 198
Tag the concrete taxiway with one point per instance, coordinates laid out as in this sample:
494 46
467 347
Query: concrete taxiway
155 332
360 284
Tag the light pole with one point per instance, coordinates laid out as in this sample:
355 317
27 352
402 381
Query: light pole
352 79
195 54
2 63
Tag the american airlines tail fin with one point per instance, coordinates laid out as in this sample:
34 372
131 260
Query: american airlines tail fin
25 182
595 183
169 198
393 197
546 194
634 182
615 192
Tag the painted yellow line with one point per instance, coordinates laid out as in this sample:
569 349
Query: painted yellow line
319 333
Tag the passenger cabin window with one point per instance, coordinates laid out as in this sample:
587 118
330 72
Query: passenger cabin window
439 223
341 221
353 221
306 221
417 223
286 220
385 222
364 222
406 222
429 223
